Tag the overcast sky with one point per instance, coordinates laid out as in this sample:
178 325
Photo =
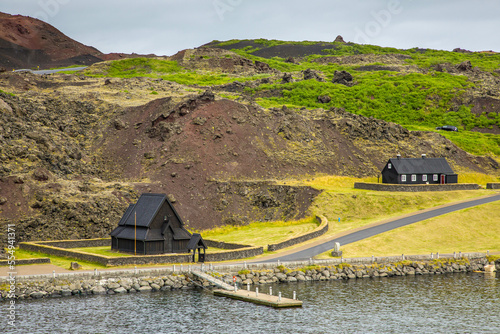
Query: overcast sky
164 27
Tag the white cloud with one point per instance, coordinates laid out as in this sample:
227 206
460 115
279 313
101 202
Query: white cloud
165 27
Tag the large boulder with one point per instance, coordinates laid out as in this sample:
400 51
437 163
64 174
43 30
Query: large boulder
342 77
465 66
311 74
324 99
339 39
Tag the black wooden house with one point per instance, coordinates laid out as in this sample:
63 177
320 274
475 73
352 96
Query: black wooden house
418 171
151 226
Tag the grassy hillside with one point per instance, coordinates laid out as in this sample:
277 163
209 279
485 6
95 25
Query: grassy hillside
417 88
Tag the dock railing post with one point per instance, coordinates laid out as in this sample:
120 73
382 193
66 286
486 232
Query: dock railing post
270 291
279 296
257 292
248 286
294 295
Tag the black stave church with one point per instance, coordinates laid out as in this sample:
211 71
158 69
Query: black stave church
151 226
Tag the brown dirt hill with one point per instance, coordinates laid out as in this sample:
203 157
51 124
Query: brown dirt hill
27 42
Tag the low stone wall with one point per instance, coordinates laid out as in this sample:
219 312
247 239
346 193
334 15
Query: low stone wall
41 260
149 280
224 245
415 187
493 185
43 247
100 242
241 253
320 230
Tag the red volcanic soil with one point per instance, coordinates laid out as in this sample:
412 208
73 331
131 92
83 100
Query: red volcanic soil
27 42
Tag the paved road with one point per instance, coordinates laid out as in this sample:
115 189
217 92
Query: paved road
369 232
52 71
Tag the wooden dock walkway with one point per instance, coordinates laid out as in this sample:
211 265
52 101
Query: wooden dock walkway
227 290
260 298
217 282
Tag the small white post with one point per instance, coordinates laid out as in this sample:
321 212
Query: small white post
135 270
245 264
270 291
53 273
278 263
294 295
174 268
235 288
432 256
310 261
95 271
248 286
181 268
256 292
279 296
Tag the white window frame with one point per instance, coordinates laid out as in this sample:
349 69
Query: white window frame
424 177
389 165
403 178
413 177
435 178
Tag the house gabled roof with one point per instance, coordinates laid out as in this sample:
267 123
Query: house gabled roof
421 166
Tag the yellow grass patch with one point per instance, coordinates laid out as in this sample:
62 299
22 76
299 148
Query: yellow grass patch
261 233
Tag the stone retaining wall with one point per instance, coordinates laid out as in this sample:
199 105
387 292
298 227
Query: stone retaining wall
43 247
100 242
415 187
493 185
133 281
241 253
41 260
320 230
224 245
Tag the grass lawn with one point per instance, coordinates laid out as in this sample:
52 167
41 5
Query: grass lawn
59 261
474 229
261 233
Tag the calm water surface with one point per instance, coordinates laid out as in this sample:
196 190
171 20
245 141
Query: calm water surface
458 303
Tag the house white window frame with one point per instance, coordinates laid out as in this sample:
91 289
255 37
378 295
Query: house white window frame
403 178
424 177
435 178
413 177
389 166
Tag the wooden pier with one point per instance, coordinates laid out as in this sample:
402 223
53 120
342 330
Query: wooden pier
247 295
259 298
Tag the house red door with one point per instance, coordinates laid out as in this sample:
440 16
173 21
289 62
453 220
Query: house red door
442 178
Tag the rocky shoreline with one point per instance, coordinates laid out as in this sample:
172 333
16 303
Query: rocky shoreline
109 283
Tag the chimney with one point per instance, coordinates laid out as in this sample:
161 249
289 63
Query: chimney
423 156
398 156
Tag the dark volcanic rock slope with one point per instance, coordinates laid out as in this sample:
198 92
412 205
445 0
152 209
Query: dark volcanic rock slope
69 168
